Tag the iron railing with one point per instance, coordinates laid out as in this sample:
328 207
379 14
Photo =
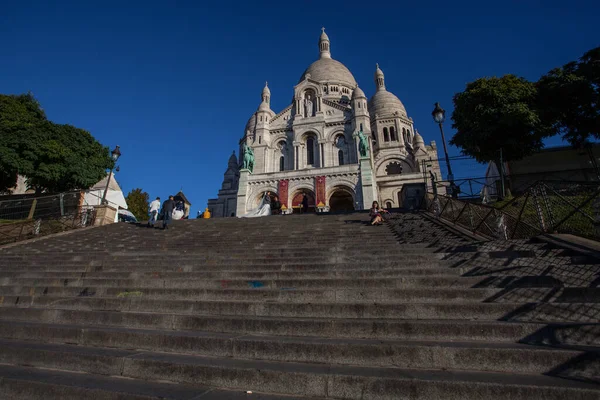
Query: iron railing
488 188
25 217
545 207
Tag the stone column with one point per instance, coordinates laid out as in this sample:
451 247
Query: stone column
367 183
266 159
322 153
296 152
242 193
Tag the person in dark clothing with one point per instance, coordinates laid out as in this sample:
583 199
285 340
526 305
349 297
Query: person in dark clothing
304 203
275 205
168 207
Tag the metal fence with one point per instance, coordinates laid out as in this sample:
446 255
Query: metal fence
24 217
488 188
545 207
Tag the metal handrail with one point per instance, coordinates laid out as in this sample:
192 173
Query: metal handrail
554 206
27 216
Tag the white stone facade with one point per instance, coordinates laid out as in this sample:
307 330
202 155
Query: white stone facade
314 139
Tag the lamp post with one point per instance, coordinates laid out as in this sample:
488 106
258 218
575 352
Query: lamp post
439 116
115 154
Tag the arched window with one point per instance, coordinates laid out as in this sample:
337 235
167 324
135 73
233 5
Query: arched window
392 134
341 157
386 135
388 205
281 163
408 136
393 168
310 151
404 134
361 127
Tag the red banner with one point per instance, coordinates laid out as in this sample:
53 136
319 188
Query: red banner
320 190
283 192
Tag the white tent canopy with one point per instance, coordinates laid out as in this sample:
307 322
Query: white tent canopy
114 194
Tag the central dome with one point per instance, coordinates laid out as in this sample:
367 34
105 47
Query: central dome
329 70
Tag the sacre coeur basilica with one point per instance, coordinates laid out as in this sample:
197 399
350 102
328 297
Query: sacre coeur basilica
331 143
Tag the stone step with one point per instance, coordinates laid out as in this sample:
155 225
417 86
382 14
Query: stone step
214 249
305 379
481 356
277 295
141 238
526 312
328 271
350 311
254 292
291 242
295 265
223 253
223 260
587 334
199 283
26 383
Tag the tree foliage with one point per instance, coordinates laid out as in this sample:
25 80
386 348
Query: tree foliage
137 201
515 115
53 157
569 98
498 113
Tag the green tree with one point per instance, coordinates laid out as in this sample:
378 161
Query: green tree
19 115
53 157
569 99
137 201
498 113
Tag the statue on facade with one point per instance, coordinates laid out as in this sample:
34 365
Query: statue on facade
363 144
308 107
248 158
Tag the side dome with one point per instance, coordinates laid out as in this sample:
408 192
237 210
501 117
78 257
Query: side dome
358 93
418 140
385 103
251 124
329 70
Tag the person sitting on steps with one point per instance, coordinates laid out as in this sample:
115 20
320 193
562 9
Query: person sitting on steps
376 213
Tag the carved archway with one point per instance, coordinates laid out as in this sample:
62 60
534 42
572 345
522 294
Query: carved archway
341 199
297 200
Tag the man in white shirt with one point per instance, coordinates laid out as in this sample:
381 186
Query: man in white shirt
154 208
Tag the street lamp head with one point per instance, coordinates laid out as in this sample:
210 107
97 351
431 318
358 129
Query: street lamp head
115 154
438 114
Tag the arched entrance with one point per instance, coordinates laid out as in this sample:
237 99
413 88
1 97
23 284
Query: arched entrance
297 200
341 200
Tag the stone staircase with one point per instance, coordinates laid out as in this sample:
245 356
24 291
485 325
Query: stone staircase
297 307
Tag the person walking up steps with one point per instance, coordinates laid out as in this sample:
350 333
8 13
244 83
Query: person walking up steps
168 207
154 209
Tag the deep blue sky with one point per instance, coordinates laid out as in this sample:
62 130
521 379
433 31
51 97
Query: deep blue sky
174 82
